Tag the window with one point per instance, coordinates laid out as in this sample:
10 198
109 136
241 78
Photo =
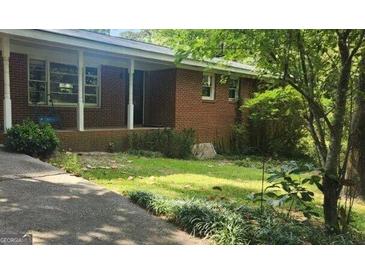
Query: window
37 82
59 83
63 83
91 86
208 87
233 89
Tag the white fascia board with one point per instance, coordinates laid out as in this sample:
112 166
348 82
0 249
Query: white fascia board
95 45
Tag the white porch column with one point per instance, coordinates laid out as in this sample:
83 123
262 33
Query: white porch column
130 116
5 49
80 101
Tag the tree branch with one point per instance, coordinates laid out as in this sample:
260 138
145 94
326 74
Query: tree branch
310 125
358 44
319 112
300 45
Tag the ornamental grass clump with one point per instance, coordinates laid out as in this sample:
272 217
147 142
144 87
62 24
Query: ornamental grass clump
226 223
200 218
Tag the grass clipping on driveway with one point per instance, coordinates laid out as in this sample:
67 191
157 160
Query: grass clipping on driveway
205 198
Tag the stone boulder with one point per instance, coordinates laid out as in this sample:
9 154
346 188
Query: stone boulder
204 151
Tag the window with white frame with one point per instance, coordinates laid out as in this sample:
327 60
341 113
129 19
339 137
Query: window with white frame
38 85
58 84
208 87
233 89
63 83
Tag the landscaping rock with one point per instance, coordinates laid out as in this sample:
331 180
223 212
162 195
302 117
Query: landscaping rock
204 151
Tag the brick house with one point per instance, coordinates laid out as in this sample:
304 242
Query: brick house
103 87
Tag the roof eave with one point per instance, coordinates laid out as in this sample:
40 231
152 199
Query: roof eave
77 42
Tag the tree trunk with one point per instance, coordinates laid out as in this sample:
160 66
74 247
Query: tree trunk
331 185
361 152
356 168
331 195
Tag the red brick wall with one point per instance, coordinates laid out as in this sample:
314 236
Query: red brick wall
95 140
160 98
110 114
212 120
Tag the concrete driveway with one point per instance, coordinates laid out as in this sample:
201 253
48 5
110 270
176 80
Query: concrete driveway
57 208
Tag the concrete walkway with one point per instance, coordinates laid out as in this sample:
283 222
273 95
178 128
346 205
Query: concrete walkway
57 208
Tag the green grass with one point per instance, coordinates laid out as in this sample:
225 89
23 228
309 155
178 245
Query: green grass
178 179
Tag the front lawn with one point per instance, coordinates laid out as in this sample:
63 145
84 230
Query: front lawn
177 179
214 180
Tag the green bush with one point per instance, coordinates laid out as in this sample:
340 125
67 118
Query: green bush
227 223
171 143
276 123
32 139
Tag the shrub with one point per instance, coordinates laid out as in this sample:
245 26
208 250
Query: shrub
32 139
276 123
171 143
238 143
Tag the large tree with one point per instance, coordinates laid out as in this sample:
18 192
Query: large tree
101 31
143 35
356 169
319 64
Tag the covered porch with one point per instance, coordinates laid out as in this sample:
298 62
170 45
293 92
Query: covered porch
83 90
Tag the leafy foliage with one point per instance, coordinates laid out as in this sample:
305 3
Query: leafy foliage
32 139
101 31
143 35
276 121
171 143
285 189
